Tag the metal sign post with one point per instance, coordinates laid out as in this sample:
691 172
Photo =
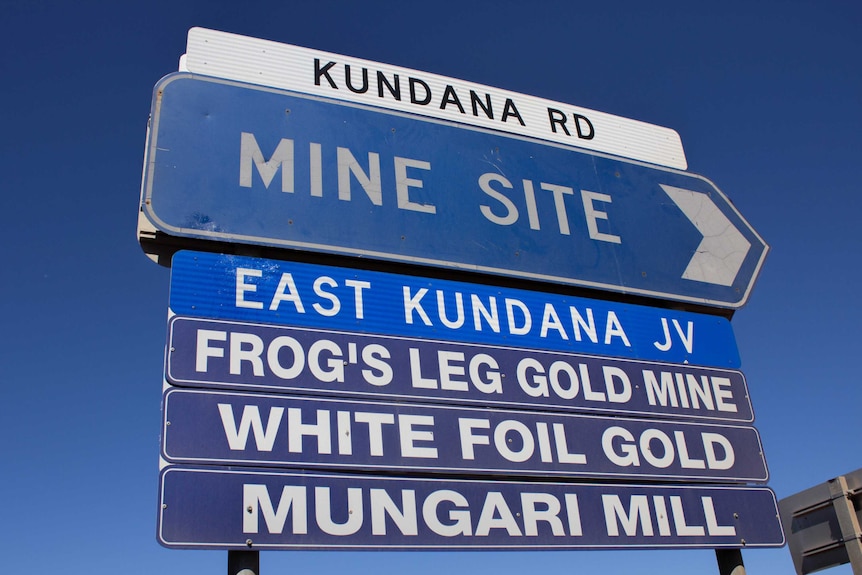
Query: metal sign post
243 563
730 562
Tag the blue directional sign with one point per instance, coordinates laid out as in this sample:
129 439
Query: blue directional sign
238 355
231 162
256 429
294 294
216 508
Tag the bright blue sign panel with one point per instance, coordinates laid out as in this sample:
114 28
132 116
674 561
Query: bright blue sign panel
255 429
235 163
237 355
231 509
277 292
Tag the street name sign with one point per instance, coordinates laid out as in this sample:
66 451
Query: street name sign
236 163
218 508
274 292
277 65
259 357
228 428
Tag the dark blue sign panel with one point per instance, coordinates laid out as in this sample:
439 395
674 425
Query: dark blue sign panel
276 292
229 509
236 355
230 162
255 429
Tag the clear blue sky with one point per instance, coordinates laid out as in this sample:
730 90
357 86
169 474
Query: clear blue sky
767 97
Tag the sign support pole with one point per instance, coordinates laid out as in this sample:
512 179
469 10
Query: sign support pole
243 562
730 562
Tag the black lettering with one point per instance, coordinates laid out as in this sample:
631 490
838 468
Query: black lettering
477 103
413 82
362 89
450 97
557 117
509 109
394 90
584 136
323 72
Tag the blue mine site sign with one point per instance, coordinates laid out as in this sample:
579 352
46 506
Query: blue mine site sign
218 508
230 162
282 293
253 429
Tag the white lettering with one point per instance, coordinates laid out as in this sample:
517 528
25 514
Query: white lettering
237 439
323 511
404 517
282 157
593 215
496 515
409 436
332 298
255 498
511 214
370 182
242 287
639 514
292 295
461 519
404 183
204 351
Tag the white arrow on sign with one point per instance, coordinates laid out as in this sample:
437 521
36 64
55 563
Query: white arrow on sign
720 254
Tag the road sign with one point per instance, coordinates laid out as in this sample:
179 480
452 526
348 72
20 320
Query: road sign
237 355
221 508
275 292
287 431
823 524
256 61
236 163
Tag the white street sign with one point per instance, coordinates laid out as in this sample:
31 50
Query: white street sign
276 65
